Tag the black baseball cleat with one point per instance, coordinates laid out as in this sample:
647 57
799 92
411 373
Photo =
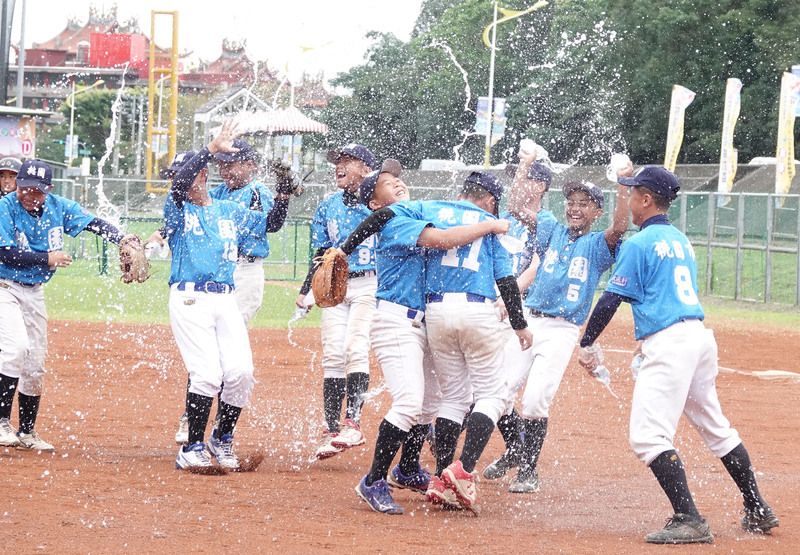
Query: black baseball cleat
680 529
759 521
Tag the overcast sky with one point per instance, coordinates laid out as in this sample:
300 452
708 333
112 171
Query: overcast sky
274 31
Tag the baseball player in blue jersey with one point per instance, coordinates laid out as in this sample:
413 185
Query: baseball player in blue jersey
558 302
345 327
464 332
398 333
204 235
9 168
516 361
32 226
656 273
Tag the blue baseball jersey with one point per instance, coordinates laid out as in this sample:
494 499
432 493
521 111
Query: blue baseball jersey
569 271
658 271
334 221
471 268
43 234
521 259
204 239
244 198
401 263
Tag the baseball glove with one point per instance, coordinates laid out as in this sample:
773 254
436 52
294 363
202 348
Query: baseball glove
287 182
330 281
133 262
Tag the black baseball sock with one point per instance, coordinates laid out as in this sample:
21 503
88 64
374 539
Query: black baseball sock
668 470
447 433
479 430
535 432
28 410
466 418
228 415
737 463
333 391
390 437
198 408
510 426
412 446
357 385
8 386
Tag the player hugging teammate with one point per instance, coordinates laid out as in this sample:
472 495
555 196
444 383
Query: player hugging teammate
398 333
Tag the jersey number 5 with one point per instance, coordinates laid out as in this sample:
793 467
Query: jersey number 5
470 262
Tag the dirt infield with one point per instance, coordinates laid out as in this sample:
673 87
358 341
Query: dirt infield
114 394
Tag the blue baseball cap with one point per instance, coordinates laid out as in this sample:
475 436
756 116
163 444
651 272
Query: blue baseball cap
540 172
490 182
657 179
595 192
246 152
180 160
356 151
35 173
367 187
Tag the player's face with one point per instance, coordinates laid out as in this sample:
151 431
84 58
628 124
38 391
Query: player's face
30 198
350 172
8 181
237 174
581 211
388 190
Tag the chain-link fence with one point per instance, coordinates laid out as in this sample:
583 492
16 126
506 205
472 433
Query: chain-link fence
746 243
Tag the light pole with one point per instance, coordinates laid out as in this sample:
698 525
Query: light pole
71 102
508 15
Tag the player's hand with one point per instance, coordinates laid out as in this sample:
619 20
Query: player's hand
590 357
499 227
301 301
525 338
340 252
501 307
155 238
58 259
224 141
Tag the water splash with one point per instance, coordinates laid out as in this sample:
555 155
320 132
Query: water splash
105 209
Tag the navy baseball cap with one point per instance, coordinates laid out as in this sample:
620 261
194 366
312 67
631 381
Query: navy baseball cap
367 187
657 179
490 182
595 192
246 152
180 159
35 173
11 164
356 151
540 172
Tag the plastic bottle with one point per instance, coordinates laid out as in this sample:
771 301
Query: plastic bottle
300 313
636 364
602 375
618 161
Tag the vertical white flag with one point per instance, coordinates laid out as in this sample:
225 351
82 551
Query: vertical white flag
728 156
681 98
784 167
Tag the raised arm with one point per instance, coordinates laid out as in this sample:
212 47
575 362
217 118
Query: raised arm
525 197
444 239
619 225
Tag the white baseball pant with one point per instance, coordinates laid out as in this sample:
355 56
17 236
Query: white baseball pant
345 329
678 376
400 344
23 335
249 293
466 341
213 343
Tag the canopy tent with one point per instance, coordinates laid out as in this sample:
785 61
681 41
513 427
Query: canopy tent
287 121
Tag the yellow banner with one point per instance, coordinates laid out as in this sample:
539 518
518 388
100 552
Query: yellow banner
681 98
784 168
728 156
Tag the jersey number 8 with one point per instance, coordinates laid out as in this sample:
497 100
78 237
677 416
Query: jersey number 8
683 281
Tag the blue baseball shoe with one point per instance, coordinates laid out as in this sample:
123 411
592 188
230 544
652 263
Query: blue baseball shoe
378 497
416 482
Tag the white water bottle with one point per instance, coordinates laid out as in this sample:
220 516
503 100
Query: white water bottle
300 313
602 375
636 364
618 161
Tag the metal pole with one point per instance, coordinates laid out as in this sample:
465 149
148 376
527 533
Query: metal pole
139 138
709 237
739 240
488 146
768 260
21 58
71 98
